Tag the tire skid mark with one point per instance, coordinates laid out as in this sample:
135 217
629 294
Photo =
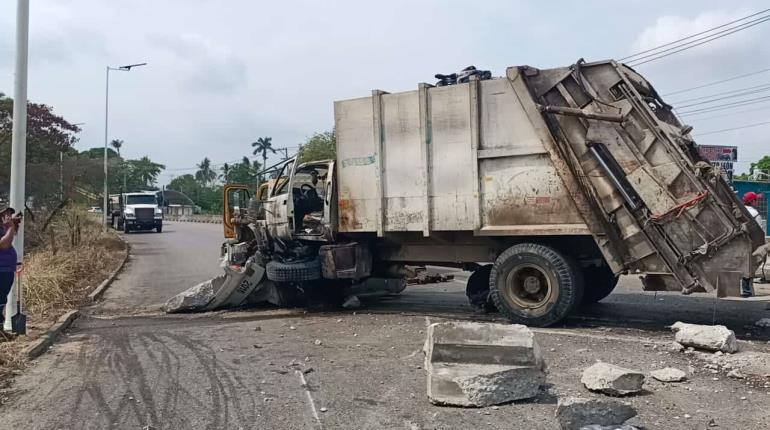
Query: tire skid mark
148 366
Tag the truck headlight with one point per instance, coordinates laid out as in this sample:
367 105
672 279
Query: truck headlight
129 213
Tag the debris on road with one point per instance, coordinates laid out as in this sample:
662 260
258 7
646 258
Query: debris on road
764 322
482 364
676 347
575 413
422 277
669 374
195 298
613 380
735 374
708 337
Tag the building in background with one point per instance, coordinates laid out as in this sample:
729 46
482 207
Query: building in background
176 203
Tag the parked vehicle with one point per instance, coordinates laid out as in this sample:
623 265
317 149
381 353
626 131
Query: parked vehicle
136 211
549 184
95 210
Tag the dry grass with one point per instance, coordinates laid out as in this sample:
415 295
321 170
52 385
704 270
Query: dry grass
59 275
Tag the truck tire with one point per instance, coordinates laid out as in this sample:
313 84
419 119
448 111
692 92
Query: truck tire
599 283
294 272
477 289
535 285
126 228
159 229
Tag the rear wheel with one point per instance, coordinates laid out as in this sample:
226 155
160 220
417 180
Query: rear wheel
599 283
534 284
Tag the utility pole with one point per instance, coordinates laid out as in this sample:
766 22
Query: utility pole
106 134
19 145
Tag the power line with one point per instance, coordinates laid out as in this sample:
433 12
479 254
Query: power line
726 106
745 75
719 94
733 128
683 47
693 35
716 99
726 114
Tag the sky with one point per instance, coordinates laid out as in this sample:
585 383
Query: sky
220 74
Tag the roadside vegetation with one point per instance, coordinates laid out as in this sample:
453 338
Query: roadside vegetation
68 257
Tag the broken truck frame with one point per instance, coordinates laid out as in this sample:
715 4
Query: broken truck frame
562 179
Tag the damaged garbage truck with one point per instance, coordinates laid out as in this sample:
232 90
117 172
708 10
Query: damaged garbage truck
547 184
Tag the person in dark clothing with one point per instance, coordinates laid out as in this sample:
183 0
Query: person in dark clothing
9 225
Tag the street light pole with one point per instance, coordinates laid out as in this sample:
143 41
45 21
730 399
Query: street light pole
19 146
106 132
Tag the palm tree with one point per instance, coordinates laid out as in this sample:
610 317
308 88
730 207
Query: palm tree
225 170
145 171
117 144
261 146
205 174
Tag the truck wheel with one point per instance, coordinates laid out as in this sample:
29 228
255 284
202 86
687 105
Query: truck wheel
126 229
535 285
477 289
599 283
159 229
294 272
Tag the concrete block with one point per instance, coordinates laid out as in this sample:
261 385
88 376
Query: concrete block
708 337
481 364
576 413
613 380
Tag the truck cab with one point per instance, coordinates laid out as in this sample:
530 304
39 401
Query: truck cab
136 211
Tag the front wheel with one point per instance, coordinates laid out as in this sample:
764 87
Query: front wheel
159 229
126 229
535 285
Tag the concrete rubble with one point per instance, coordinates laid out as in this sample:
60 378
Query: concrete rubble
708 337
669 374
763 322
612 380
482 364
576 413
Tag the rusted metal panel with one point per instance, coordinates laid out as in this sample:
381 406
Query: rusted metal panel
356 169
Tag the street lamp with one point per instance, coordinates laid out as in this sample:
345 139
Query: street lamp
106 123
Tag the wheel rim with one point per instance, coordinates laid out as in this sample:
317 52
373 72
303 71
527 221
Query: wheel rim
528 286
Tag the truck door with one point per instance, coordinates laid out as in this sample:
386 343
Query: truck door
330 205
236 198
280 205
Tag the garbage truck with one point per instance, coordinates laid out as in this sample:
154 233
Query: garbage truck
546 183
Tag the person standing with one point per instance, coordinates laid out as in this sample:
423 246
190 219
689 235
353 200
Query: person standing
9 225
751 201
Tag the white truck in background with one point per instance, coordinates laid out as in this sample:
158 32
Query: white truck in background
136 211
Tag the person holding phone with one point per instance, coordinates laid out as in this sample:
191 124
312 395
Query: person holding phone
9 225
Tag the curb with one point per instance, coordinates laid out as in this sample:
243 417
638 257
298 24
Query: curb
41 344
99 290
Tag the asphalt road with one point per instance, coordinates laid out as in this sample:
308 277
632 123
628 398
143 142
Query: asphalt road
125 365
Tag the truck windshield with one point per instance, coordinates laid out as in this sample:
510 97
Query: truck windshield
145 199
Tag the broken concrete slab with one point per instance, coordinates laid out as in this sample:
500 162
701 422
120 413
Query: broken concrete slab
613 380
195 298
575 413
708 337
669 374
482 364
763 322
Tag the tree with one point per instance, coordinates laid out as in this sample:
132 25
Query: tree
244 172
117 144
144 172
205 173
225 170
261 146
319 146
762 165
98 153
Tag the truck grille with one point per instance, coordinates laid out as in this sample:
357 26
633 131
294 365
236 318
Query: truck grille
145 214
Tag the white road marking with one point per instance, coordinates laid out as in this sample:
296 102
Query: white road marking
310 400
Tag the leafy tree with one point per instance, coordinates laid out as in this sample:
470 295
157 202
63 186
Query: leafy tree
261 146
319 146
225 169
144 172
763 164
117 144
98 153
244 172
205 173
